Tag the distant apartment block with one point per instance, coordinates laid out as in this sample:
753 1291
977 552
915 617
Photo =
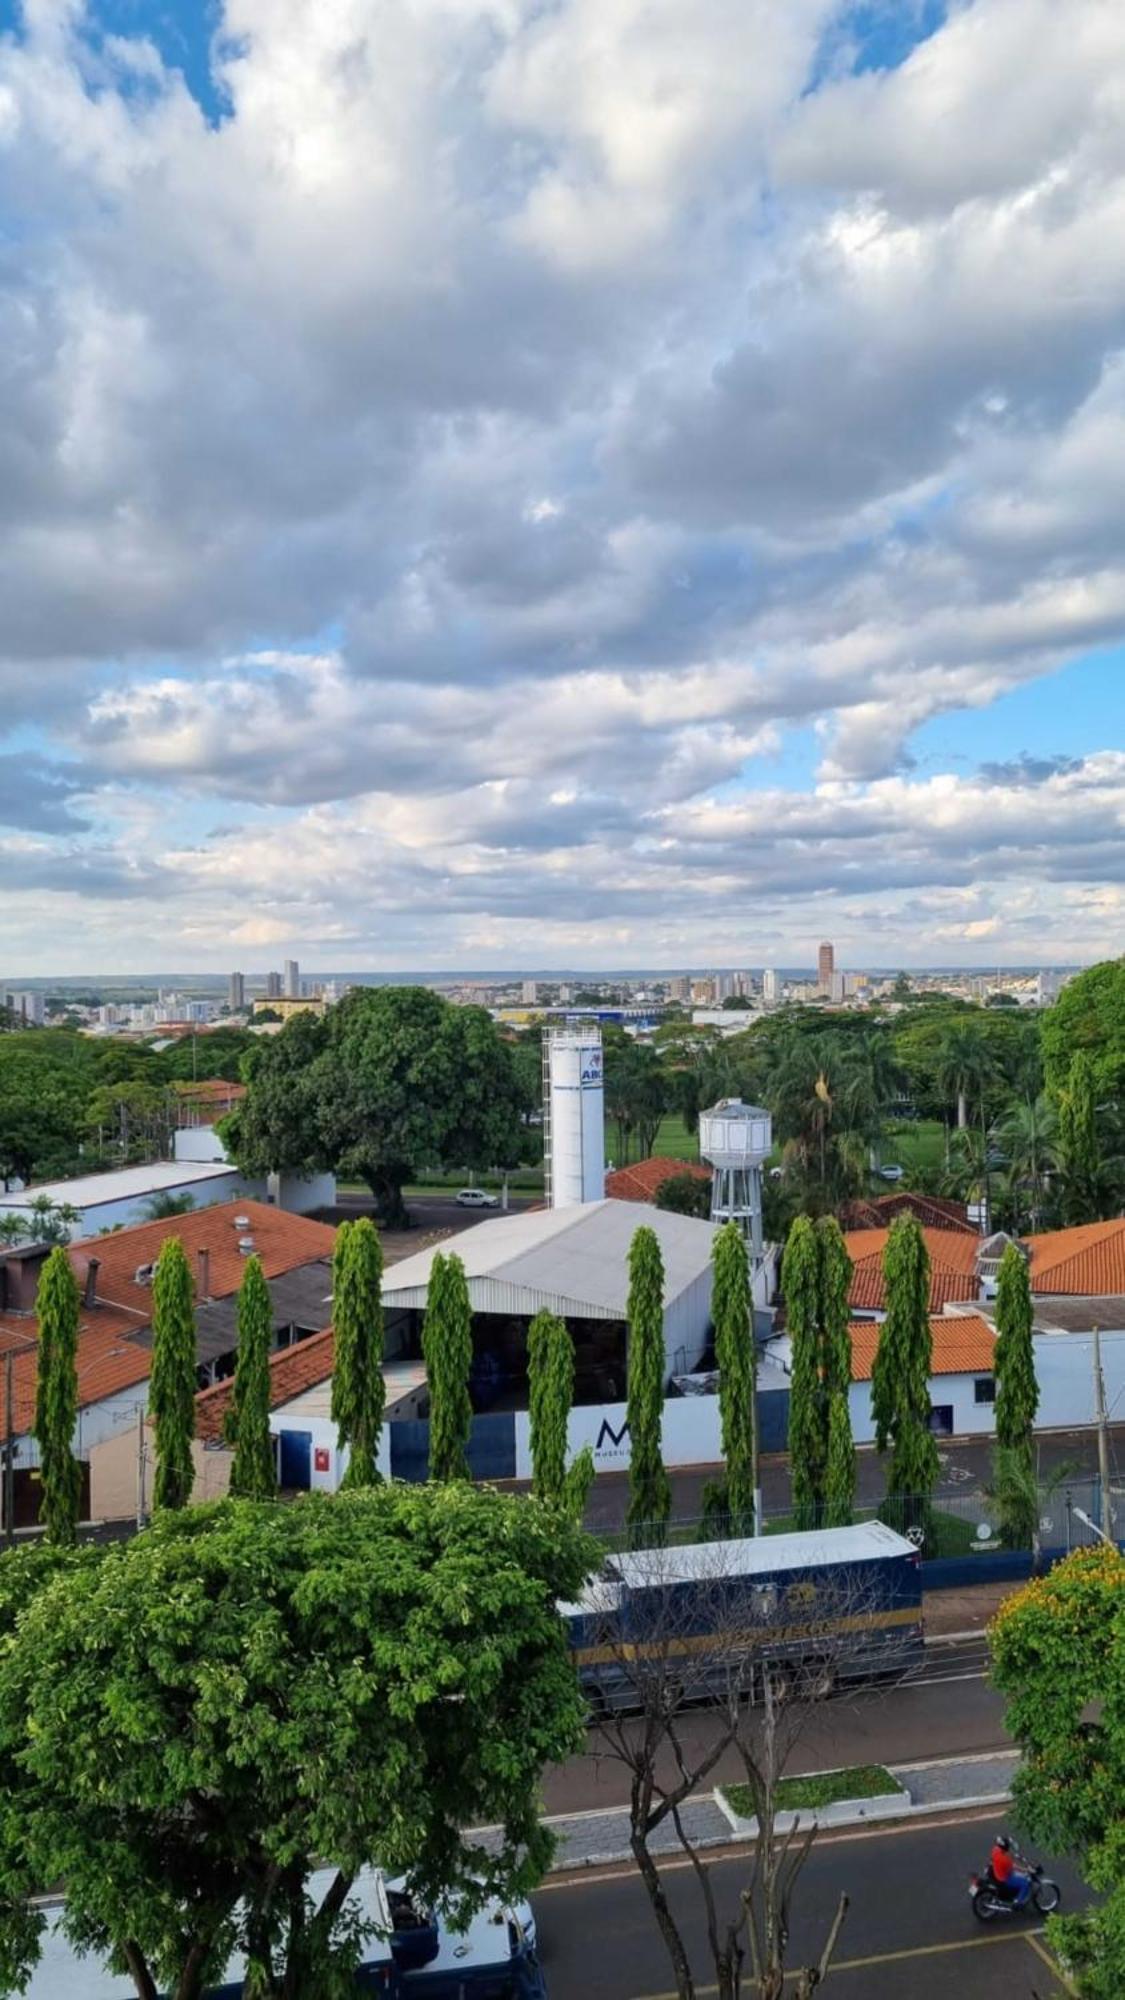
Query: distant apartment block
825 966
292 974
236 992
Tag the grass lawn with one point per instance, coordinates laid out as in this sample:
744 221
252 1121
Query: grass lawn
673 1140
914 1142
821 1788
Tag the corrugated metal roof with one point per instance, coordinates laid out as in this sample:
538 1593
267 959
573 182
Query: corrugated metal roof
573 1260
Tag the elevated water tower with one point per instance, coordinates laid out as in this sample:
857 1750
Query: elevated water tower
573 1115
735 1139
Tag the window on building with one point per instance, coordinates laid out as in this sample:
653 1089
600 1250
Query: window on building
984 1389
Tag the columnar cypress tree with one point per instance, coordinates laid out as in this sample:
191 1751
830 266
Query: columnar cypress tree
172 1385
839 1475
57 1304
1017 1400
732 1313
447 1348
800 1284
900 1384
550 1374
253 1475
358 1390
650 1496
836 1372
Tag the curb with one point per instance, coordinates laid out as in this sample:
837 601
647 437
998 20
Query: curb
842 1812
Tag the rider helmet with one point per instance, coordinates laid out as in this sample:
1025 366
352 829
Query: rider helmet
1003 1843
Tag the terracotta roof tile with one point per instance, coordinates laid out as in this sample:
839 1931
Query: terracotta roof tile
953 1275
641 1182
933 1211
962 1345
1087 1262
110 1358
292 1371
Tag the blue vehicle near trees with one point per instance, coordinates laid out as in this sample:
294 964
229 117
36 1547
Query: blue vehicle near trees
828 1608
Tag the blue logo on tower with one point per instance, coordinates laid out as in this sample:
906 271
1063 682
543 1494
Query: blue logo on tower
591 1066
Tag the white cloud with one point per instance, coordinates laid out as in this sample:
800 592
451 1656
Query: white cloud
613 405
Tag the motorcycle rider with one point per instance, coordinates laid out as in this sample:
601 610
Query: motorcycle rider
1011 1882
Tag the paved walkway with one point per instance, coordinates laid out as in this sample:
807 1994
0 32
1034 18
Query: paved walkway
584 1839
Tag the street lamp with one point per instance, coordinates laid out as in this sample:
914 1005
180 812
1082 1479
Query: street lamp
1093 1526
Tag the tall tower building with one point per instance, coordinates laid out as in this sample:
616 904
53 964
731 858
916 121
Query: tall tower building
236 993
770 986
273 986
825 966
292 973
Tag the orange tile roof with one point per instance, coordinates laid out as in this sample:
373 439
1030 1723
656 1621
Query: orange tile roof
953 1272
962 1345
1088 1262
292 1371
110 1357
641 1183
933 1211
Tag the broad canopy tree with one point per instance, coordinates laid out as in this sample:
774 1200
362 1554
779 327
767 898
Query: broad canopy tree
1058 1655
392 1079
192 1721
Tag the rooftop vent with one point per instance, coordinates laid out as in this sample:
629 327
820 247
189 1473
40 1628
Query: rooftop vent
246 1246
143 1274
242 1222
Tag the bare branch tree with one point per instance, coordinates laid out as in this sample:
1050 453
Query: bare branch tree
762 1632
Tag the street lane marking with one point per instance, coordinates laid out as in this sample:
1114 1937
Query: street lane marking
1032 1938
876 1959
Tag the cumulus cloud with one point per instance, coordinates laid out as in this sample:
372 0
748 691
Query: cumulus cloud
439 489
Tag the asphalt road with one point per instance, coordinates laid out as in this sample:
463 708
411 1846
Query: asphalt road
948 1710
909 1934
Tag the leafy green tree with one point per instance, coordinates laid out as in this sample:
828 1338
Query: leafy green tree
685 1194
834 1282
172 1385
1058 1655
800 1285
57 1305
735 1351
1088 1016
392 1078
358 1390
636 1095
650 1496
447 1349
253 1474
194 1721
1028 1137
550 1372
1017 1398
900 1383
163 1207
1079 1148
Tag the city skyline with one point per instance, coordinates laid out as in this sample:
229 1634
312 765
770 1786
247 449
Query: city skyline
716 532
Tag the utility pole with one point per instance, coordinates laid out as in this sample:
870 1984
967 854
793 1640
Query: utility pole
1103 1439
140 1466
9 1456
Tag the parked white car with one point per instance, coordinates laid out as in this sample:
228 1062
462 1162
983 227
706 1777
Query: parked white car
477 1198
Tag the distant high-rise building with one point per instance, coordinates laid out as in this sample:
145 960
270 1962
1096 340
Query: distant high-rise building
825 966
771 987
292 974
836 988
679 988
236 993
273 986
28 1007
529 992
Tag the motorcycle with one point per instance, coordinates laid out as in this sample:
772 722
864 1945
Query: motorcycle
990 1900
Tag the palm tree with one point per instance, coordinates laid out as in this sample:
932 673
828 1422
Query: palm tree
1028 1137
825 1118
965 1068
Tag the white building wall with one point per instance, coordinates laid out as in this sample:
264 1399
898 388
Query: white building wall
1064 1370
686 1321
326 1477
691 1434
302 1195
970 1418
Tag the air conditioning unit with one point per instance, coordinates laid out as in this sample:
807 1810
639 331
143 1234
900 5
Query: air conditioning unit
242 1222
143 1274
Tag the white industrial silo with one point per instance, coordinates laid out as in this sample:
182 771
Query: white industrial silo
573 1115
736 1139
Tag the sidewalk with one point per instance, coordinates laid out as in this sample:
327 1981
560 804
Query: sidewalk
961 1611
942 1785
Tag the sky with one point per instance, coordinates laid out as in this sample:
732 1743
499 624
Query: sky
561 482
